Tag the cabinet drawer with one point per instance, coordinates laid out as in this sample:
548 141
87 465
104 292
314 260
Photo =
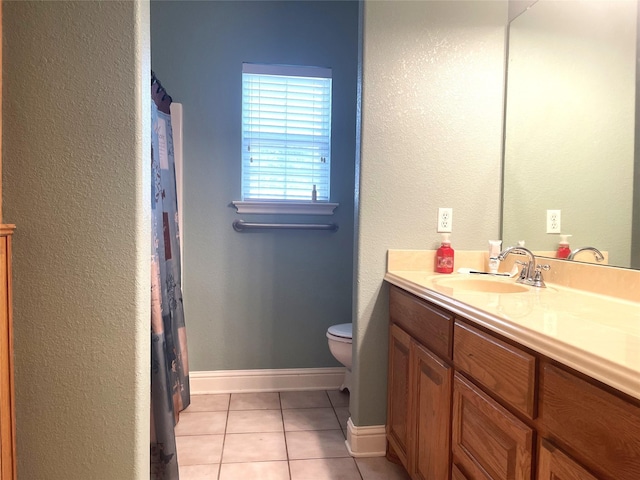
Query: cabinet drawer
603 429
427 324
488 441
503 369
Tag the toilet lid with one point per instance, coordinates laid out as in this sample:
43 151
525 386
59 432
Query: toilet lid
344 330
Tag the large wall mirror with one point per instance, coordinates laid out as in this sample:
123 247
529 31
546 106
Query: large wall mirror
570 129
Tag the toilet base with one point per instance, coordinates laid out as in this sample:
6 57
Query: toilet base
346 383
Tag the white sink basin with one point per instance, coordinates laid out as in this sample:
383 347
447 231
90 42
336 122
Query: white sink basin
481 285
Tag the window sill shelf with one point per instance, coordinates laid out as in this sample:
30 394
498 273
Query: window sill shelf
287 208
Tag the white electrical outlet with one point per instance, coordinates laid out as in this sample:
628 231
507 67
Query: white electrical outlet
445 220
553 221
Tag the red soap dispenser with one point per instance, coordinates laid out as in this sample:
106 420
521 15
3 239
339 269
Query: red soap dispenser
563 247
444 256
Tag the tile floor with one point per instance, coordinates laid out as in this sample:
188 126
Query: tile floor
272 436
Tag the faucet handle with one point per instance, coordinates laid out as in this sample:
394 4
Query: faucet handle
538 281
524 273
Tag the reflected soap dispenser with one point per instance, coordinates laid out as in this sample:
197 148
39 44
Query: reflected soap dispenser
563 247
444 256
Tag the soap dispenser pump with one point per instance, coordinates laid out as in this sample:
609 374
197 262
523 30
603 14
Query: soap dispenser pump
444 256
563 247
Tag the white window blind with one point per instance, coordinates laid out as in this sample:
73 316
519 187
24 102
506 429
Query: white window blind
286 132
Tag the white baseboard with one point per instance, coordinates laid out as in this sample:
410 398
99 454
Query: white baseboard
266 380
366 441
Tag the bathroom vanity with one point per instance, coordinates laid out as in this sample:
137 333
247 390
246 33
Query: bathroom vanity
490 382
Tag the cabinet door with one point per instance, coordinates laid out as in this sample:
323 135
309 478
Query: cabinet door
430 409
488 441
600 429
456 474
398 393
555 465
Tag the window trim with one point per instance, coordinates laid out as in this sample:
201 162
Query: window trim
267 207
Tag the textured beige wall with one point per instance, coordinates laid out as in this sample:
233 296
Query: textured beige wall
431 137
76 176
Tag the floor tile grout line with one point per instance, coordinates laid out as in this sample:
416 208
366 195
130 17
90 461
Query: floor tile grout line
284 433
345 437
336 414
358 468
224 438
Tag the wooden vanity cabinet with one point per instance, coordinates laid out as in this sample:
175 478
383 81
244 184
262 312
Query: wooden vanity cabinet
467 404
398 394
601 430
418 412
507 371
456 474
555 465
431 380
488 441
427 324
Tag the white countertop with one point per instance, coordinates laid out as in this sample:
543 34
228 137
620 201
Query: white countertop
595 334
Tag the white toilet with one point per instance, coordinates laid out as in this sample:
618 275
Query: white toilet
340 339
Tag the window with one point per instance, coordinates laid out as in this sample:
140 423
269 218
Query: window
286 133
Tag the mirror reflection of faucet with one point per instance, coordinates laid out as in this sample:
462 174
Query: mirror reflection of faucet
596 253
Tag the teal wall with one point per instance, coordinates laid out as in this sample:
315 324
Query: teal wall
262 299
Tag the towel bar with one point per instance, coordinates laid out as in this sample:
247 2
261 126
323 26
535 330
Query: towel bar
241 225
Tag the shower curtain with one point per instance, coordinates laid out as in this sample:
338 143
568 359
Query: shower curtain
169 364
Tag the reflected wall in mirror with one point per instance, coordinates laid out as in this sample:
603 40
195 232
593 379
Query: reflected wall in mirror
570 126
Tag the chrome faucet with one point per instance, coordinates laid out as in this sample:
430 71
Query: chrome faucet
530 273
596 253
